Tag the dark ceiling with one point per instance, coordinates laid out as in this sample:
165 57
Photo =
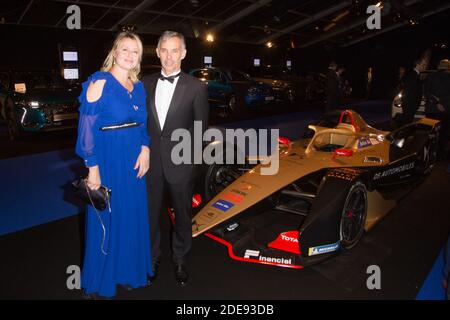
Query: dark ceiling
300 23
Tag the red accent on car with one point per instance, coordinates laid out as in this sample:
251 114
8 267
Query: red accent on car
234 257
233 197
196 200
286 241
342 153
284 140
350 115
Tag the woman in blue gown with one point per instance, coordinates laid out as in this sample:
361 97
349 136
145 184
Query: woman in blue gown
113 141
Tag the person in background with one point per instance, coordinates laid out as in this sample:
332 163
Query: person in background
437 106
113 141
369 82
400 80
412 92
332 89
344 86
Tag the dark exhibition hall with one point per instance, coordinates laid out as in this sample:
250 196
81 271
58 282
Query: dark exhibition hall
223 157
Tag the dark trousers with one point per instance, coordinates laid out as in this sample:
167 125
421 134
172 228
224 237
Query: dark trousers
181 201
409 111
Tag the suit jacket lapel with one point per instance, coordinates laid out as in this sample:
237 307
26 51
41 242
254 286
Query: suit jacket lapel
176 98
152 105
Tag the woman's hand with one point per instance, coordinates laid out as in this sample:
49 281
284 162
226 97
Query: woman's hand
143 162
93 179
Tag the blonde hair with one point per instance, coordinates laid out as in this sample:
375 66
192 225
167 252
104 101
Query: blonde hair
109 61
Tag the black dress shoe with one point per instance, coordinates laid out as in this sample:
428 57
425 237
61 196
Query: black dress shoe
91 296
127 287
181 274
155 268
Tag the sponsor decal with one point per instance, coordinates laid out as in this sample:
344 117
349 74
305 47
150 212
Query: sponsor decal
233 197
392 171
209 215
275 260
287 238
286 241
344 173
373 159
323 249
239 192
374 141
249 185
253 253
223 205
364 142
233 226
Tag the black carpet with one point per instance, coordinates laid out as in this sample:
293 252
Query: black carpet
404 245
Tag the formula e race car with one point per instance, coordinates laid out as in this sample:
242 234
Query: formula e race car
328 191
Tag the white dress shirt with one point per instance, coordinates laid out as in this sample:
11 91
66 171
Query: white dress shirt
163 96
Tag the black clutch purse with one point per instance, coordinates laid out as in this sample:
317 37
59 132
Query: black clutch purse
99 198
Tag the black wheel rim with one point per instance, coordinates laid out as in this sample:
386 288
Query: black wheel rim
353 216
232 103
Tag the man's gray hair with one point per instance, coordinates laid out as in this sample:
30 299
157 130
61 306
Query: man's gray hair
171 34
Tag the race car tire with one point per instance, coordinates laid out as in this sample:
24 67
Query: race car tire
353 216
218 177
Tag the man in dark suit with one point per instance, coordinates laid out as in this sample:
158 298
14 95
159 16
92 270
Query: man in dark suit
332 89
412 92
437 93
174 101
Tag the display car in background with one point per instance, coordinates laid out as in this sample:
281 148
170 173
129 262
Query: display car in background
287 86
228 88
315 88
35 101
329 190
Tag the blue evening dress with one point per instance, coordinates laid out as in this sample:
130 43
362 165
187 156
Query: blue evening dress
120 254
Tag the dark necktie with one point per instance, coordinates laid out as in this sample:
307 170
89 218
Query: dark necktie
170 78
